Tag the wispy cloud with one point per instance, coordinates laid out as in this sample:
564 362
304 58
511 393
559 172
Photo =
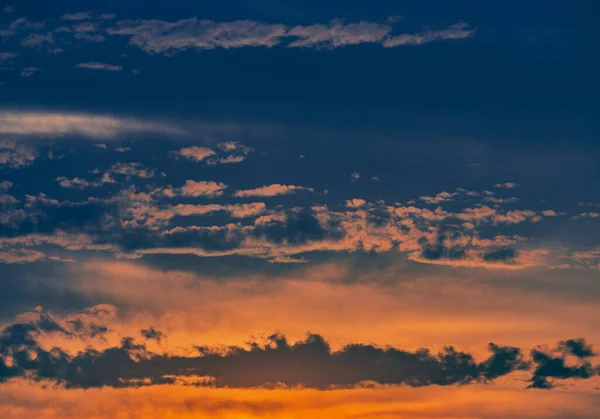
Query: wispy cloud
92 126
29 71
163 37
76 16
272 190
506 185
96 65
458 31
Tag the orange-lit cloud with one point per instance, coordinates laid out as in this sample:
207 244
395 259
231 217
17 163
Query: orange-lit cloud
21 399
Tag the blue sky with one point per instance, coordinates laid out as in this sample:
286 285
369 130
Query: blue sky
293 182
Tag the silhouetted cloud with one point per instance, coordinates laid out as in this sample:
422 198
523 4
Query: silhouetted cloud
309 363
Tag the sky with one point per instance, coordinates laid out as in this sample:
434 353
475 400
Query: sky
313 209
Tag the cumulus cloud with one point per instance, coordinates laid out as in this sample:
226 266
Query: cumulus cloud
272 190
92 126
95 65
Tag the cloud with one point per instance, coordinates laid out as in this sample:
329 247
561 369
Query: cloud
29 71
549 365
272 361
308 363
6 185
506 185
155 36
25 399
6 56
131 169
337 34
76 16
457 31
228 160
235 147
202 188
152 333
195 153
440 197
36 40
95 65
21 256
21 23
92 126
161 37
272 190
86 27
84 36
16 155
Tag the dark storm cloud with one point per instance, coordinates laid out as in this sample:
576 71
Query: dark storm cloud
309 363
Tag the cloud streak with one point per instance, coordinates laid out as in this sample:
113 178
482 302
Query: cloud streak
95 65
162 37
73 124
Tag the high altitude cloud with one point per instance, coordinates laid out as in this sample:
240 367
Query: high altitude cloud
457 31
95 65
58 124
162 37
272 190
76 16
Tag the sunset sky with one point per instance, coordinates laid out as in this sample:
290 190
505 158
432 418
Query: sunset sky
298 210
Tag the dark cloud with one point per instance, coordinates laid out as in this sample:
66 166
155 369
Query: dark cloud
500 255
577 347
553 364
298 227
152 333
309 363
